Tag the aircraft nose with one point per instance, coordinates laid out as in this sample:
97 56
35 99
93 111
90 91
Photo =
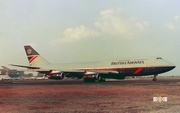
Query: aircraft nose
172 67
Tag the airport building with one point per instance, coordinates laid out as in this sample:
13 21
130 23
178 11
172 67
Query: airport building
16 73
12 73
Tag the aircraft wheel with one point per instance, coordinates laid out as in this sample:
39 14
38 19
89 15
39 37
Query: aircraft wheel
88 80
154 79
101 80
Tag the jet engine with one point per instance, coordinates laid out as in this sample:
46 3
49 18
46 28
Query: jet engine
91 76
56 76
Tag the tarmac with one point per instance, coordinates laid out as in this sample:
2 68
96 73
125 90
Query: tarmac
132 95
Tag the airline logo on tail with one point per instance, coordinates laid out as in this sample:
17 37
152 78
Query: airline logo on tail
31 59
34 57
31 53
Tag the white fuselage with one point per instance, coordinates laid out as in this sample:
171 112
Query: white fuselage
118 65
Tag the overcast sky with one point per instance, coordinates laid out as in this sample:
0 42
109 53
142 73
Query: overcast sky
90 30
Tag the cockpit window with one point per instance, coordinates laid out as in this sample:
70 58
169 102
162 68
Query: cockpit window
158 58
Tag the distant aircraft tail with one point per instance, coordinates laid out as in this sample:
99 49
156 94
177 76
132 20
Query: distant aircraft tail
5 68
34 57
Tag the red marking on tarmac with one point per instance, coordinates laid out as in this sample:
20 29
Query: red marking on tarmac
32 59
138 70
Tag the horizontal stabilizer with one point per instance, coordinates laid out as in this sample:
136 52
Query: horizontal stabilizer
28 67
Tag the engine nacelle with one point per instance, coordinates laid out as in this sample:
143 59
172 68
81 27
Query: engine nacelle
56 76
92 75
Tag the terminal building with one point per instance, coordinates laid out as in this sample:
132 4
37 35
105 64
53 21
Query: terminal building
15 73
12 73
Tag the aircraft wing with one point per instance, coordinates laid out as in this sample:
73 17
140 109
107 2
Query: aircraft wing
69 71
85 72
103 71
78 73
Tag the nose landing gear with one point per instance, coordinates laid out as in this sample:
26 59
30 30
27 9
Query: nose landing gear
154 78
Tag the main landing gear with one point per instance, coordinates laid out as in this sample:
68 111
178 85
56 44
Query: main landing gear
102 80
154 78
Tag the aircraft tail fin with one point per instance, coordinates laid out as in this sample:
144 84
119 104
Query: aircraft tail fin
5 68
34 58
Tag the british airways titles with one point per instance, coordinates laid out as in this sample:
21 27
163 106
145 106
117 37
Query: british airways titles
127 62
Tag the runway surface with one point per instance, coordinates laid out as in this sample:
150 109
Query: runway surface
126 82
131 95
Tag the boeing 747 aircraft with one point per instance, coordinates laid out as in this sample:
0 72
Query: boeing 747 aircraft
100 70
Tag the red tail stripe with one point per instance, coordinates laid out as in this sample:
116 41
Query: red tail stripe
32 59
138 70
